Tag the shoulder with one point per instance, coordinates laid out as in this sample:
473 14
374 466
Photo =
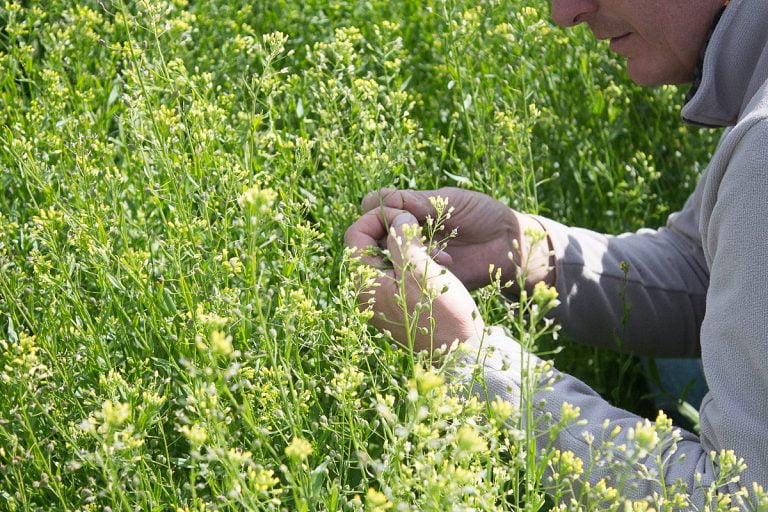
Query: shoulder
747 140
749 154
741 152
757 108
735 199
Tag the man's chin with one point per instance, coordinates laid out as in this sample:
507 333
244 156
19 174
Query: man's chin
647 75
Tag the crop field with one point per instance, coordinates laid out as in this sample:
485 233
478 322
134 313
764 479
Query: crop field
179 327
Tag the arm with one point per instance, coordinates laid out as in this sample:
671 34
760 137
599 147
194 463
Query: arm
653 306
688 458
664 289
734 335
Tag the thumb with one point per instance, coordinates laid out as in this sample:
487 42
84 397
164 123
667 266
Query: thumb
404 239
407 250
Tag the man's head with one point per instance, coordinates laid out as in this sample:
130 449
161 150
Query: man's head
661 39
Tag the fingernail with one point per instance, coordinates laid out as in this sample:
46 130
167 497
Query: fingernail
402 219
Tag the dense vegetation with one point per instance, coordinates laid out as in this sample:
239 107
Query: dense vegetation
178 321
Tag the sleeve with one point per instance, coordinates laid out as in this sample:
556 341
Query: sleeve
642 292
618 449
734 344
734 335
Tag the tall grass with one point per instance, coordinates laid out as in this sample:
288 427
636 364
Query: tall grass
178 320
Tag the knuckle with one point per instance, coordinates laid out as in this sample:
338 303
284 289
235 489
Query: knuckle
348 235
367 198
391 197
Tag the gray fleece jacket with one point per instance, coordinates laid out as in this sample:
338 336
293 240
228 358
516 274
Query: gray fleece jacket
697 286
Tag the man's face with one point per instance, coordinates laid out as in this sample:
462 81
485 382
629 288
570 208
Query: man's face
661 39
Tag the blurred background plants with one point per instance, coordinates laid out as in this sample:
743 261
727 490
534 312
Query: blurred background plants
178 322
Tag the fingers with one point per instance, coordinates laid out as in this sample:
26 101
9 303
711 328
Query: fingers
406 248
414 201
367 231
416 300
442 257
371 230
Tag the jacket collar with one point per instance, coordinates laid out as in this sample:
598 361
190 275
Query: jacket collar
735 65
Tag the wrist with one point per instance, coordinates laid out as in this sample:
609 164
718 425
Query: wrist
532 256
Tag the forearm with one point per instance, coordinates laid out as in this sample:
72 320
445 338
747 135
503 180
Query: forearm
636 457
640 292
533 258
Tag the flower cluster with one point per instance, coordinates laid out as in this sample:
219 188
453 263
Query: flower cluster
179 320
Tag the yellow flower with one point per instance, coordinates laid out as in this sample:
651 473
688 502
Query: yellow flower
346 382
545 296
501 409
115 413
238 456
221 344
376 501
196 435
211 320
262 480
644 435
569 412
426 381
298 449
469 441
257 199
569 464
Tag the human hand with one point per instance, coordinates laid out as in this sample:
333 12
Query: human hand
422 304
486 232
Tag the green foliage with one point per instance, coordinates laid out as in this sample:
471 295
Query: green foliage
178 320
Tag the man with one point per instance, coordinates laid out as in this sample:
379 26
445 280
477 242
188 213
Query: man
698 285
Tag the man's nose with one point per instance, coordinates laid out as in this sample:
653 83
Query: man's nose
568 13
